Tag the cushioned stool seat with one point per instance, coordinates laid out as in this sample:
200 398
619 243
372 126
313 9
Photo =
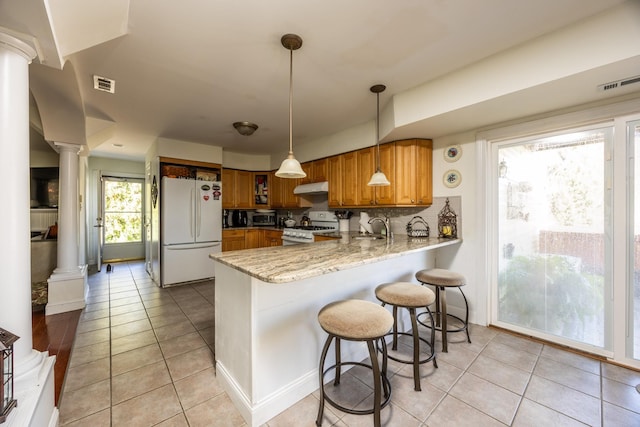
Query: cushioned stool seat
409 296
443 279
356 320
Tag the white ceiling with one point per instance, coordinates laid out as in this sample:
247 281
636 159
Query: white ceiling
187 70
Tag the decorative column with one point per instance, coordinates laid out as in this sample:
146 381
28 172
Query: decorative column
68 209
68 283
33 370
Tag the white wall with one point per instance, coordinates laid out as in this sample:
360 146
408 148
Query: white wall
165 147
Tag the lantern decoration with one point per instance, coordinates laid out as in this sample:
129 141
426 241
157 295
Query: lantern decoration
7 402
447 222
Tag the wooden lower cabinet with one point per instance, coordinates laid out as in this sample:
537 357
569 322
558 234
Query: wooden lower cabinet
253 239
233 240
272 238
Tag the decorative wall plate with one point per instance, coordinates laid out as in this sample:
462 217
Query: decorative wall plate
452 153
452 178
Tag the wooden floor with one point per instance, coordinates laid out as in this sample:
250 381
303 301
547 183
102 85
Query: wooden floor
55 334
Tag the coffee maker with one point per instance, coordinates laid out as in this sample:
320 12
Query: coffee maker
225 218
239 218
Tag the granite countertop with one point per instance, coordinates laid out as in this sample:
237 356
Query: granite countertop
284 264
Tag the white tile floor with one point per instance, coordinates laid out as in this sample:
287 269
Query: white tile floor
143 356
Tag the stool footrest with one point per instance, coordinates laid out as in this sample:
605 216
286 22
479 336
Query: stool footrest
368 411
429 358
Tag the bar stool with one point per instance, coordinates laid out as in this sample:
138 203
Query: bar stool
356 320
442 279
410 296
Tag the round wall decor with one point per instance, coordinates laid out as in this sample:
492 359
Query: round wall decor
452 178
452 153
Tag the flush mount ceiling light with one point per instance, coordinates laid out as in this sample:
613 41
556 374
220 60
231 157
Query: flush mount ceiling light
378 179
290 167
245 128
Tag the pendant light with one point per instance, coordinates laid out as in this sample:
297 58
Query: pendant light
378 179
290 167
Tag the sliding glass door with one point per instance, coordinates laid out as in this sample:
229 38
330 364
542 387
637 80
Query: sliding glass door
633 291
552 262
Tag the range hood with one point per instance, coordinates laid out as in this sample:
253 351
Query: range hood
313 188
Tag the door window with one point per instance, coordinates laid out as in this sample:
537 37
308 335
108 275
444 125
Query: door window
551 204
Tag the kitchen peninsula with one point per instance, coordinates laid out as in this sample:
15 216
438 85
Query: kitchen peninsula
267 338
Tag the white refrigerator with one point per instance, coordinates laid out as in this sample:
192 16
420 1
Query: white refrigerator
191 218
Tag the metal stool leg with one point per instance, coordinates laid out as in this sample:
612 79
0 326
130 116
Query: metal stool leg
416 350
466 317
377 392
443 316
323 356
336 380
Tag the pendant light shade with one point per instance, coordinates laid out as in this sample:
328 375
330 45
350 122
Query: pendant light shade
290 167
378 179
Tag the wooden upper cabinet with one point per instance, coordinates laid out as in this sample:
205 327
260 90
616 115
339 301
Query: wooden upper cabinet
275 191
237 186
424 169
228 189
317 171
413 172
320 170
281 193
244 189
307 167
335 181
387 195
366 159
349 179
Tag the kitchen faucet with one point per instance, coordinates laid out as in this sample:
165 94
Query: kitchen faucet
387 226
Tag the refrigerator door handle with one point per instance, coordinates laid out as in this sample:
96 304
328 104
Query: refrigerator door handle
191 216
198 213
192 246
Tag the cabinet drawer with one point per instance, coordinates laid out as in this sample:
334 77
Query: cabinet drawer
230 234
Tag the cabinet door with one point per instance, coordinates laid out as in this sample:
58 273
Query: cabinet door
320 170
244 189
289 199
272 238
366 168
252 239
349 179
275 191
424 172
405 172
229 189
335 181
386 195
232 240
307 168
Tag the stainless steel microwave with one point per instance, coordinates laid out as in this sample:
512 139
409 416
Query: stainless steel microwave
262 218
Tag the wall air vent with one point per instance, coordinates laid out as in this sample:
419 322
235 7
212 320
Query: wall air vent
104 84
619 83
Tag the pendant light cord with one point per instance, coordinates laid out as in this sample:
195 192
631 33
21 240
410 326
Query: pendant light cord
291 102
378 130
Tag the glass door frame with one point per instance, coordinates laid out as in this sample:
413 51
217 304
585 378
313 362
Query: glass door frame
618 114
494 160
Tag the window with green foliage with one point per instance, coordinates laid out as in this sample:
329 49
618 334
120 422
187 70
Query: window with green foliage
122 210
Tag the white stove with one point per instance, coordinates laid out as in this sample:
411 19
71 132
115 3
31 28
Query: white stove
321 222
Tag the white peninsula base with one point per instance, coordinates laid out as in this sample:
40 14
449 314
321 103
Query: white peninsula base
268 341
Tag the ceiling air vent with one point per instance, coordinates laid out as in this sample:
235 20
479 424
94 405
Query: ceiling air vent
104 84
619 83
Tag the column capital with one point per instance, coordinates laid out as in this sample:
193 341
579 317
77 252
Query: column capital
17 46
65 146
